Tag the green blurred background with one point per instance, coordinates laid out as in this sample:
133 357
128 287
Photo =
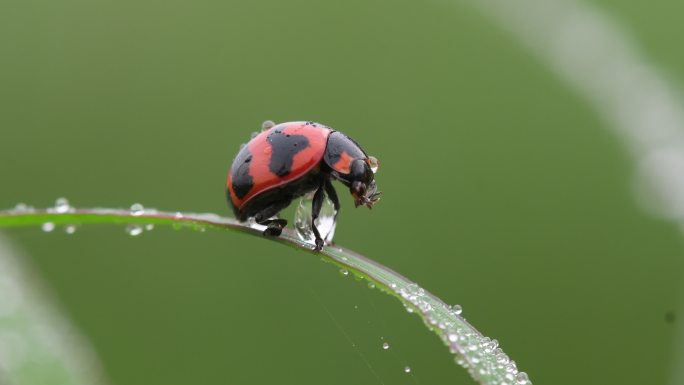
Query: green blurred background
503 190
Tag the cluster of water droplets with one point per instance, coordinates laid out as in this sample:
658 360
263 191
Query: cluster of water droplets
479 354
135 229
61 206
484 358
325 223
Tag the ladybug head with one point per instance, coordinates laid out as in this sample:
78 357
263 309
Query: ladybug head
362 182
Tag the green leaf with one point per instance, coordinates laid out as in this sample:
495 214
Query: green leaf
480 355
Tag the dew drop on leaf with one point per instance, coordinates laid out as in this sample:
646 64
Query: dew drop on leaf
62 206
48 227
522 379
502 358
385 346
21 208
326 221
512 367
137 209
134 230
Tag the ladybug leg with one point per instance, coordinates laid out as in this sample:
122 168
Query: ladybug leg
332 194
316 206
275 226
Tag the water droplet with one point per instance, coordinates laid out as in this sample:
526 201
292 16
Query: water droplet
48 227
459 359
326 221
267 124
456 309
426 307
344 272
149 227
373 163
178 215
137 209
21 208
512 367
414 294
522 379
493 344
134 230
70 229
371 285
62 206
453 337
385 346
407 369
254 135
502 358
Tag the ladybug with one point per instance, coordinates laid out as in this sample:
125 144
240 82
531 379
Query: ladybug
289 160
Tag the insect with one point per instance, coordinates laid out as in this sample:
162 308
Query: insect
288 160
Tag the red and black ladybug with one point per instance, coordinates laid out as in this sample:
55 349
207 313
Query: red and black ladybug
288 160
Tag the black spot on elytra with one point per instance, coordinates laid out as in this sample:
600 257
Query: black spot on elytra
284 147
242 180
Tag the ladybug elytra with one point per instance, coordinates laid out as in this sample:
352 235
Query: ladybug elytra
289 160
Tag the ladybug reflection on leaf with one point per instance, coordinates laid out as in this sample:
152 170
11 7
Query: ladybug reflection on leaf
288 160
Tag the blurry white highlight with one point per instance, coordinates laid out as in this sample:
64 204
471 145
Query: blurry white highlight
37 344
597 58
